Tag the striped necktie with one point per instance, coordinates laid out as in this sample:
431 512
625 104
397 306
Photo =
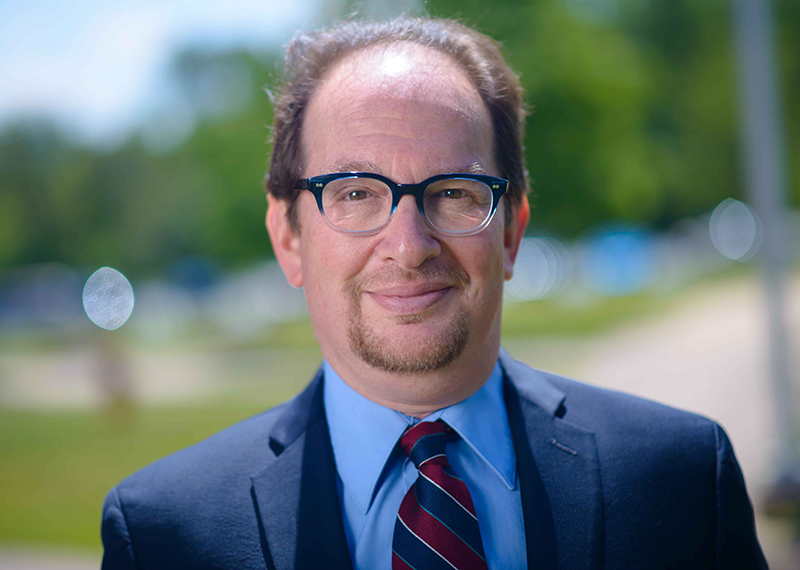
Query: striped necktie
436 526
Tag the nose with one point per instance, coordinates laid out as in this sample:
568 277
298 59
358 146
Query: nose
407 239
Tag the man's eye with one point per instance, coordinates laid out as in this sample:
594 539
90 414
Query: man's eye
356 195
453 193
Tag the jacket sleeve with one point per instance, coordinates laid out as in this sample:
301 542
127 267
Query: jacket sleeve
737 544
118 549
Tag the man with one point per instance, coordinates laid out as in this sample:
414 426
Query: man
397 201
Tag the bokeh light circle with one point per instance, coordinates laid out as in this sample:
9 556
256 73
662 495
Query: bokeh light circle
735 230
541 267
108 298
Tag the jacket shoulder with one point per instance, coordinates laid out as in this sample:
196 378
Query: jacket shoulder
663 470
168 513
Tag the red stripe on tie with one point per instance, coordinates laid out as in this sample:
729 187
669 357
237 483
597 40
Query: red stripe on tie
414 433
454 487
438 537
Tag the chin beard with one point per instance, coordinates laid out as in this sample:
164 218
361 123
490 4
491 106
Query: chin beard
374 350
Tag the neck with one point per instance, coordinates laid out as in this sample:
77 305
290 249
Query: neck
419 395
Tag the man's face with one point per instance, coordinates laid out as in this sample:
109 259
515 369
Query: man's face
401 312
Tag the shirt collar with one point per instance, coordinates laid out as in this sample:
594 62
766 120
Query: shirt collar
481 421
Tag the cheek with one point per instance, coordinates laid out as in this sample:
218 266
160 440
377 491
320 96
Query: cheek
484 260
494 272
327 305
320 250
330 262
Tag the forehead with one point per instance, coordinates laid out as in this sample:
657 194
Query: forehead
397 98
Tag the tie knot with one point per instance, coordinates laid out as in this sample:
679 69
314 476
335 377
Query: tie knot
425 442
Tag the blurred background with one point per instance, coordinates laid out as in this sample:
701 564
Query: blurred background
141 309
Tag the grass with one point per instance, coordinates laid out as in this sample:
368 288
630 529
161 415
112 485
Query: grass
57 466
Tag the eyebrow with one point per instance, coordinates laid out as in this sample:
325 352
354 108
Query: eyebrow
474 168
367 166
354 166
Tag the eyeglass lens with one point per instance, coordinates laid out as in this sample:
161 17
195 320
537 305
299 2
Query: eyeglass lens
364 204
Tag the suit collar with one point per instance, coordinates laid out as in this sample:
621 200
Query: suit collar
558 469
298 414
297 503
531 384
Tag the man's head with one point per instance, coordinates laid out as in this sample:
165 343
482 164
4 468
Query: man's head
310 55
409 316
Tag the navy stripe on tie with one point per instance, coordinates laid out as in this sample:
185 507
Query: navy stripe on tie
424 558
426 447
400 563
449 512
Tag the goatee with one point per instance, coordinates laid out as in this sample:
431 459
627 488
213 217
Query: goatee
374 349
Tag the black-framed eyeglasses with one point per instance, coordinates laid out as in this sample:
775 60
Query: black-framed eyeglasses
362 203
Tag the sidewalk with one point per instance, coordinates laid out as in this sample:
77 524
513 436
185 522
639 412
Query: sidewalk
30 558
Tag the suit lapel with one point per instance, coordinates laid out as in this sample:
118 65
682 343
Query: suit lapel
296 498
559 474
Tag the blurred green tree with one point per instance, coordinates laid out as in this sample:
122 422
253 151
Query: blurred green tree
634 104
163 195
634 117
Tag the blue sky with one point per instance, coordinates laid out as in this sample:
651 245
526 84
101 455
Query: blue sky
96 66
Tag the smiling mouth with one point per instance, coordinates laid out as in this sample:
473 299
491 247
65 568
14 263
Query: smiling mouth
409 300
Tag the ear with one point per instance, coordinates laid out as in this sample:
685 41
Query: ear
285 242
514 231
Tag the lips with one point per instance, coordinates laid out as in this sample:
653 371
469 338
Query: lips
409 299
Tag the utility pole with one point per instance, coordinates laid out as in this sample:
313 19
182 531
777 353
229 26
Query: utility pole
763 154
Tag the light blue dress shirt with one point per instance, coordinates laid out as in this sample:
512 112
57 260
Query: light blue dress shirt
374 474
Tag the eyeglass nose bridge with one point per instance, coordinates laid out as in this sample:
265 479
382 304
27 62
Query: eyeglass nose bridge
415 190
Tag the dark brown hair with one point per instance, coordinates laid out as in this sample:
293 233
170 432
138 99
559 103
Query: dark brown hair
310 55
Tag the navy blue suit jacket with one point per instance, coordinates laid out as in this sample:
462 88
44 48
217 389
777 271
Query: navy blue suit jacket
607 481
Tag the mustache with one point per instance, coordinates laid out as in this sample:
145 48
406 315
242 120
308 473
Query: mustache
393 275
